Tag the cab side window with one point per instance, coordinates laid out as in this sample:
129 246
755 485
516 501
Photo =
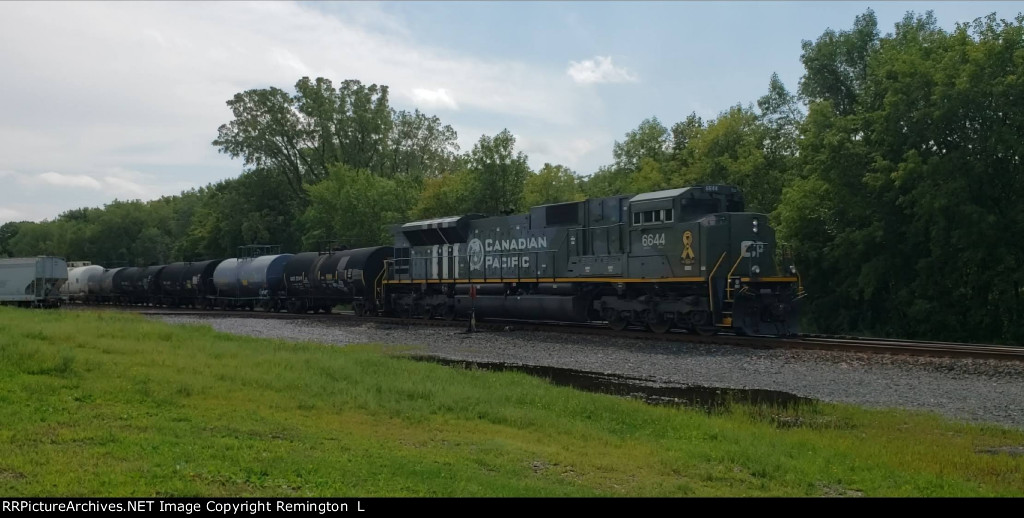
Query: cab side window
652 217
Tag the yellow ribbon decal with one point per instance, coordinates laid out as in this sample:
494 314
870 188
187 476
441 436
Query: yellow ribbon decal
688 254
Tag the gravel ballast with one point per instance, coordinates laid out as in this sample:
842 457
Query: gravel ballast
968 389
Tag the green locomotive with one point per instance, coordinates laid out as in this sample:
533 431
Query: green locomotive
687 258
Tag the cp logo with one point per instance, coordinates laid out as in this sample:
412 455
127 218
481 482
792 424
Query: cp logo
476 254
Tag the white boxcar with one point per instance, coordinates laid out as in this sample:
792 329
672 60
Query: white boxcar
32 281
77 287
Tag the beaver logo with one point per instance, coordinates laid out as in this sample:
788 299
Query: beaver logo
476 254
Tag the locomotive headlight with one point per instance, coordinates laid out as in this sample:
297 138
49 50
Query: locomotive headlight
755 269
755 225
792 269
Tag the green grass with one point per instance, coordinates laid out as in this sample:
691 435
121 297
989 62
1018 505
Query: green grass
113 404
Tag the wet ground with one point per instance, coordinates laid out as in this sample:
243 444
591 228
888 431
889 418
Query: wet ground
706 398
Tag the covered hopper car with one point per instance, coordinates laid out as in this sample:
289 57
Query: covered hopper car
32 281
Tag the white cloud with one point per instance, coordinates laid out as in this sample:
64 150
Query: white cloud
129 187
70 180
128 96
52 192
439 98
599 70
567 153
9 214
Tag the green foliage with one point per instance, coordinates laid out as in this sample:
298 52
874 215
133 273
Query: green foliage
552 184
837 64
649 140
255 208
496 175
607 181
353 207
302 136
447 195
7 233
903 220
730 150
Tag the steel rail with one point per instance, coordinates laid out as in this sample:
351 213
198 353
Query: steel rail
806 341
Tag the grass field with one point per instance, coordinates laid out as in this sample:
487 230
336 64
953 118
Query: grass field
113 404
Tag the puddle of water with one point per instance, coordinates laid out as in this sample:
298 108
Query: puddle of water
695 396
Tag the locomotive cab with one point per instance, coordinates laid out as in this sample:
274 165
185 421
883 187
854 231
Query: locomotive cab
702 236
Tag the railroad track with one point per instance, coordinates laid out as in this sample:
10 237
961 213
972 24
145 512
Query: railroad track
806 341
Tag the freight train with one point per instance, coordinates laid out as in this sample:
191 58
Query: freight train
688 258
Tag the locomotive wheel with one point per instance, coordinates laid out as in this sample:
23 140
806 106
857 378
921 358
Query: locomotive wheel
617 322
706 330
359 310
659 326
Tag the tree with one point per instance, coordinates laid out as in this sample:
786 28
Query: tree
552 184
353 206
649 140
781 116
836 64
683 133
420 147
497 174
255 208
607 181
8 231
302 136
267 132
907 194
447 195
730 150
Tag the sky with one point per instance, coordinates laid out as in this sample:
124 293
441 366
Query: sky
121 100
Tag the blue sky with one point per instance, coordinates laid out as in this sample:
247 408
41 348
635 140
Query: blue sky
121 100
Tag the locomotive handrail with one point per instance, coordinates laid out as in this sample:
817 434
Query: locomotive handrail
408 261
728 278
711 276
607 242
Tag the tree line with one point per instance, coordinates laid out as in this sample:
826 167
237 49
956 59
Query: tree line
894 170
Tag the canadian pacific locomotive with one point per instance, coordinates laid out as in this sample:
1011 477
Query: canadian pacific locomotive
688 258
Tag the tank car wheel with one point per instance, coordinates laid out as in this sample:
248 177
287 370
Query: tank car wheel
358 310
428 313
328 309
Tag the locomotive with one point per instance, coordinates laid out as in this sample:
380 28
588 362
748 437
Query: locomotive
688 258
